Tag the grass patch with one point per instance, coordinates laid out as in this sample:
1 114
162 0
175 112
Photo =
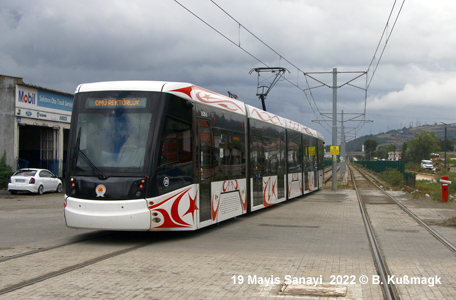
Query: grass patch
393 177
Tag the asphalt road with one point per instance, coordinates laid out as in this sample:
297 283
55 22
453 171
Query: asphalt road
29 221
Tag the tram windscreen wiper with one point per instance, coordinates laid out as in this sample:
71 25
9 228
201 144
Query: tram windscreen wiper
78 151
90 163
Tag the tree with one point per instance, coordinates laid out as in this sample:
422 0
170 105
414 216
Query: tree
421 147
404 150
370 145
449 144
5 171
383 150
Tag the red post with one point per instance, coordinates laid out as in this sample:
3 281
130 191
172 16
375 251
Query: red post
444 189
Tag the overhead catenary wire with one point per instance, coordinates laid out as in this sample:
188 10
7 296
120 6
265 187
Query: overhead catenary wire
386 41
310 99
369 81
227 38
238 44
278 54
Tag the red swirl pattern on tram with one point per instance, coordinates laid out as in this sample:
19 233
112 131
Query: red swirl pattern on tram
294 125
269 191
269 118
230 185
173 220
212 98
209 98
215 204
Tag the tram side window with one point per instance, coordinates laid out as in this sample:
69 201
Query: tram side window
294 151
321 155
176 145
312 153
267 155
305 157
222 140
175 166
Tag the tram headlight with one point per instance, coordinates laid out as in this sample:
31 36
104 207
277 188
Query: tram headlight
141 184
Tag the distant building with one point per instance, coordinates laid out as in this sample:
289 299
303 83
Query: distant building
34 123
394 155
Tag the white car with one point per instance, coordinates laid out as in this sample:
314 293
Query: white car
35 181
427 165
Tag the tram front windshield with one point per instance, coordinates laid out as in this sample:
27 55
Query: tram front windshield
110 135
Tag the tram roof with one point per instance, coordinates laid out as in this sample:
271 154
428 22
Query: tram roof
198 94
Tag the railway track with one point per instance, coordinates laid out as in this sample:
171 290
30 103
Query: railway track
328 173
390 227
19 255
43 264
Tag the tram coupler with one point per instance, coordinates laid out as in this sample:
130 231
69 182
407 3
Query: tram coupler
445 182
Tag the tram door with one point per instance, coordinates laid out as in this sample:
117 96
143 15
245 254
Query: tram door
306 162
222 164
207 166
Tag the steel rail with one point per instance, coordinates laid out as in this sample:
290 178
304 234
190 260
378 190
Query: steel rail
53 247
69 269
328 170
389 290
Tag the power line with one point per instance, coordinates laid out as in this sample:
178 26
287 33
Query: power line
243 49
386 41
311 99
277 53
227 38
368 82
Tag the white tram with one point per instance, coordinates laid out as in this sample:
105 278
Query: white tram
146 155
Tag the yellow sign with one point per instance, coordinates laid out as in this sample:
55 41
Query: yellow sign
311 151
334 150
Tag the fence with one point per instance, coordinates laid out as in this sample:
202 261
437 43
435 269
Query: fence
382 166
410 179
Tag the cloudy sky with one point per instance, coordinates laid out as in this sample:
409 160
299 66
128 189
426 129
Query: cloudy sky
59 44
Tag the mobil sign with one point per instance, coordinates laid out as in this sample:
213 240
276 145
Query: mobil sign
41 104
26 97
42 100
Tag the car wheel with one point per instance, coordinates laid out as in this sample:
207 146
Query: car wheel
40 190
59 188
13 192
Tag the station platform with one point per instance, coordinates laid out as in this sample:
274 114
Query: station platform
316 239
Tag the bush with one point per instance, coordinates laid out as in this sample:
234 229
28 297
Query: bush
5 172
412 166
393 177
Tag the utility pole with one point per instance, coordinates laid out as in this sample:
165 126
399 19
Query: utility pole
334 88
342 147
334 130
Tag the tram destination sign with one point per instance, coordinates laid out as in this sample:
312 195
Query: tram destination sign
116 103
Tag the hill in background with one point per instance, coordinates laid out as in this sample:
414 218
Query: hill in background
399 136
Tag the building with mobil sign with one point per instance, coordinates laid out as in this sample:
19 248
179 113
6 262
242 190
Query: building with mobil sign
34 123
